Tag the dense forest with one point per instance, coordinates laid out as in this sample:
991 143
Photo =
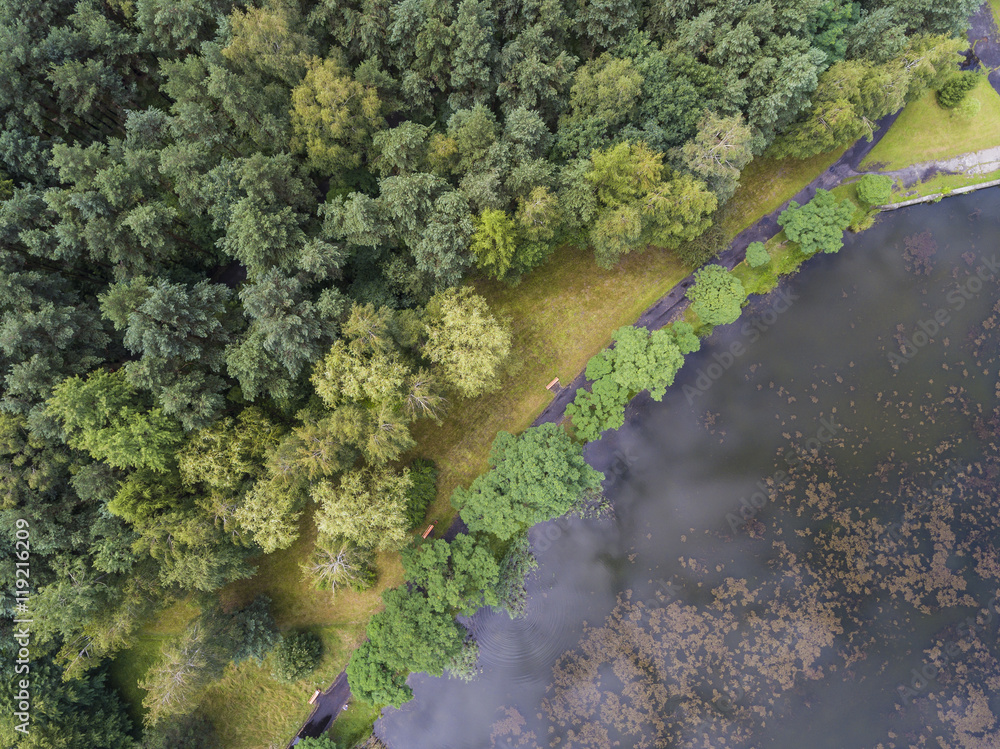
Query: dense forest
234 245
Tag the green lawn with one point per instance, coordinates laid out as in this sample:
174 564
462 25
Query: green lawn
767 183
355 723
926 131
562 314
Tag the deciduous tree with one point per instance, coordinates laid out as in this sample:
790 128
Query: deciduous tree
466 341
367 507
717 295
460 575
819 224
534 477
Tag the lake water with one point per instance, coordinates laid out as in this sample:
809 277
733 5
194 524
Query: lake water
802 551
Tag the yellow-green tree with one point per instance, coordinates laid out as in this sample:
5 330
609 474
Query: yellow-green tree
333 116
639 202
466 342
366 507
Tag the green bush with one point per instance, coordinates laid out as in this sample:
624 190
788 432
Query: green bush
819 224
717 295
954 91
323 742
968 109
757 256
423 474
874 189
296 655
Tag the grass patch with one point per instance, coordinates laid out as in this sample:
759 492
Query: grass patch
354 723
130 666
250 709
926 131
785 259
941 183
767 183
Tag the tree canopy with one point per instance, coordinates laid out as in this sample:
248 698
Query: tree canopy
717 295
538 475
819 224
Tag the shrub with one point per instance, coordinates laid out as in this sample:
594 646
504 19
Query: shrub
954 91
874 189
296 655
323 742
465 665
757 256
423 474
968 109
717 295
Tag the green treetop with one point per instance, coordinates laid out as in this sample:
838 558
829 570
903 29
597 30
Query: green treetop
717 295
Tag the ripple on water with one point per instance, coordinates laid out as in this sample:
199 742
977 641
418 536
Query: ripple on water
525 649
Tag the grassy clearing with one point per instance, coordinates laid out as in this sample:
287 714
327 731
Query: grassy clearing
355 723
926 131
248 699
767 183
250 709
562 314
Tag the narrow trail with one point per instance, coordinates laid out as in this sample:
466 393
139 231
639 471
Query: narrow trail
985 39
328 706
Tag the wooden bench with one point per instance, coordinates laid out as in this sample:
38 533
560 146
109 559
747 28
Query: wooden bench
554 383
428 531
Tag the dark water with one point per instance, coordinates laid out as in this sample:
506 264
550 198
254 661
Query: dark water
802 547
